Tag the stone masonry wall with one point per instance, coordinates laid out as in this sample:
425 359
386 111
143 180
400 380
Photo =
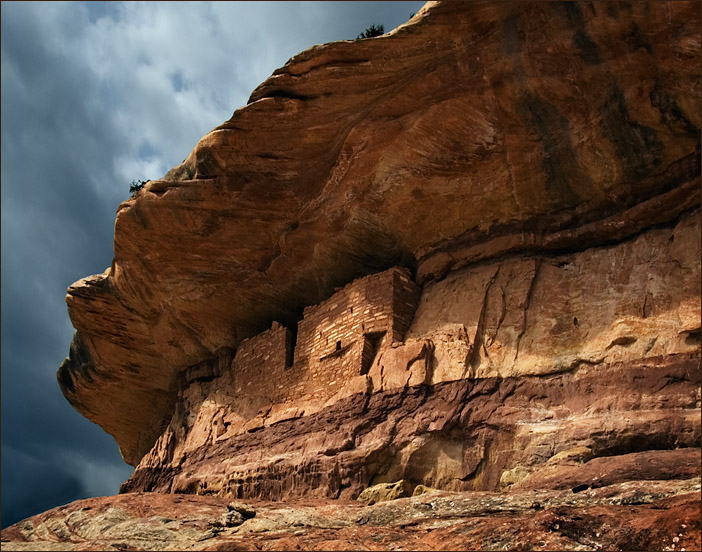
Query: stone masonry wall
260 366
337 340
365 316
405 300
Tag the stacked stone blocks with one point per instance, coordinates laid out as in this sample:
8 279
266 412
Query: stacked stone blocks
337 340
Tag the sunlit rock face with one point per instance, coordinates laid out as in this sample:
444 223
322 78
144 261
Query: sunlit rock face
512 373
535 166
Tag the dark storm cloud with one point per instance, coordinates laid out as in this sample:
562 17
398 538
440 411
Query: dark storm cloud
35 484
95 95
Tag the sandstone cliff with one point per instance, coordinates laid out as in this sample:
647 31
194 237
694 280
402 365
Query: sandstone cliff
465 254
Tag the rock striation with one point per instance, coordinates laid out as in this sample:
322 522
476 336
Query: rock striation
474 134
496 377
464 255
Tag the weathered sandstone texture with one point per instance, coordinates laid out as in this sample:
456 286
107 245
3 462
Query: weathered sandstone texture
470 434
461 261
498 379
535 166
648 515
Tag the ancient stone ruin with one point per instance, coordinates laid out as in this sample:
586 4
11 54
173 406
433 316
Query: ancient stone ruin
475 268
326 356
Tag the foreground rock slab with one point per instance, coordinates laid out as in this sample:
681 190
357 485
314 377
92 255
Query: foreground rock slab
637 515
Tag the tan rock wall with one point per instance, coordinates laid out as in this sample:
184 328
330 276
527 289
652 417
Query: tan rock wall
634 300
518 318
476 131
461 435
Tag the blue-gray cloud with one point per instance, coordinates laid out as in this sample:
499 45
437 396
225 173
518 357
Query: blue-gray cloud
94 95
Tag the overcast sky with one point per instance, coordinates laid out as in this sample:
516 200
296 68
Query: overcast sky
95 95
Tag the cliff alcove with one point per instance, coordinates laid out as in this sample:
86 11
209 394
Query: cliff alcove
464 254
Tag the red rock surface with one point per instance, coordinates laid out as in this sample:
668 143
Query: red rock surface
651 515
478 131
458 435
465 255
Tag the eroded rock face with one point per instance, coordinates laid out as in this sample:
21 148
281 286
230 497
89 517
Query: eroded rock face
470 434
544 314
480 131
499 378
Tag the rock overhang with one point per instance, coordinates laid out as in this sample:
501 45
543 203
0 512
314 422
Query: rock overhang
446 142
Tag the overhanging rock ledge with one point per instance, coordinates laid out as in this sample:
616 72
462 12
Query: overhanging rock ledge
479 145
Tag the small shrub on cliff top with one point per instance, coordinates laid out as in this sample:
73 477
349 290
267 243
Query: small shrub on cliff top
373 30
137 185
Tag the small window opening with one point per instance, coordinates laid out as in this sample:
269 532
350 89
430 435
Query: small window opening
575 321
338 345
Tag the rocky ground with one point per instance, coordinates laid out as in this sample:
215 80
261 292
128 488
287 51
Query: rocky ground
636 515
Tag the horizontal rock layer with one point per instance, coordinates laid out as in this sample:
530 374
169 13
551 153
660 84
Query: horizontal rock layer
470 434
477 132
504 366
